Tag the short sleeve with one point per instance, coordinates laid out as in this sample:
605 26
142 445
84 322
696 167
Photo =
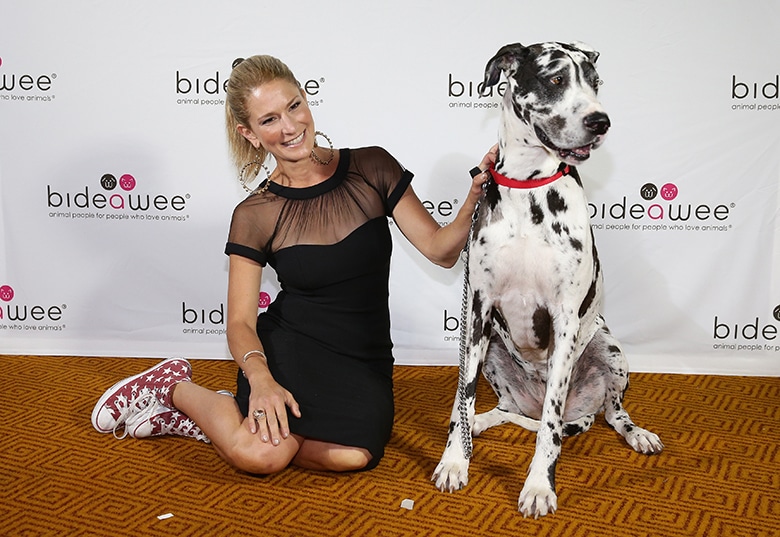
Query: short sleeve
385 173
250 229
232 248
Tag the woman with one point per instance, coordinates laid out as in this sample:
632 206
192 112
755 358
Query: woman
314 384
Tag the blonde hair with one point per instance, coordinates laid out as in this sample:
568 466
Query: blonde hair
246 76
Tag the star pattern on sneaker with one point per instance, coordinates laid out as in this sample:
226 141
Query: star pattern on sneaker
120 404
129 397
171 421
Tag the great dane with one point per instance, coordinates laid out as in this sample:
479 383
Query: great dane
532 319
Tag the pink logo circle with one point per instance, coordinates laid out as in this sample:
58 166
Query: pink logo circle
669 191
127 182
6 293
264 300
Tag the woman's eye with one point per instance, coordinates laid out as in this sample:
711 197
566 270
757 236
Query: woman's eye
295 105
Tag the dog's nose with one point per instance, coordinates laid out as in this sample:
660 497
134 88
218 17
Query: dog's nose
597 122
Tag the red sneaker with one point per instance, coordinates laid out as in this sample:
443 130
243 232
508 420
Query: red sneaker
126 398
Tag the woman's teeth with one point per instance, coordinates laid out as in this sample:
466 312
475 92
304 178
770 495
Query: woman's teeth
295 141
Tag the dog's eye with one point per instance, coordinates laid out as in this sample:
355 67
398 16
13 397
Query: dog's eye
557 80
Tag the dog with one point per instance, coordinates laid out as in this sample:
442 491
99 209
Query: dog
532 321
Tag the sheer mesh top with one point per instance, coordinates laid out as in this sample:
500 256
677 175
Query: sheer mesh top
367 184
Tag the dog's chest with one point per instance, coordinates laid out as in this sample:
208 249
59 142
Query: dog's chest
532 243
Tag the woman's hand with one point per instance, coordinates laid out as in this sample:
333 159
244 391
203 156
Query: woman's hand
489 158
267 409
478 179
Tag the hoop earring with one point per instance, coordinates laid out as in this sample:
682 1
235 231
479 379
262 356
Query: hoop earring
257 163
314 154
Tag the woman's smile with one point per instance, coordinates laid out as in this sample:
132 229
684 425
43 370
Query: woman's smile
295 141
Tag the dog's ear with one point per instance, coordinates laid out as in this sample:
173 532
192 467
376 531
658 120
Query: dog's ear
591 53
507 60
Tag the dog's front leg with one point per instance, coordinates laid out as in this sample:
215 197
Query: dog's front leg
452 472
538 496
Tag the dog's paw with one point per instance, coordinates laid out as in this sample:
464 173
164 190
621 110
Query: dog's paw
481 424
451 476
644 441
537 501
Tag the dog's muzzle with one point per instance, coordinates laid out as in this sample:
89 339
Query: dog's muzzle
596 123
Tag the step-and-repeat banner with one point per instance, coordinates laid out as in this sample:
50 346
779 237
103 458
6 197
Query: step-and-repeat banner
116 190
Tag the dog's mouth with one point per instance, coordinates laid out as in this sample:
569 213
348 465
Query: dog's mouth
570 155
578 153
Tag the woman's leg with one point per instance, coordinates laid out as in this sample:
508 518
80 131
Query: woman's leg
317 455
219 417
146 404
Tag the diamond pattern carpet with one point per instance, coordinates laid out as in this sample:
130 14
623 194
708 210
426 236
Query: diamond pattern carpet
719 474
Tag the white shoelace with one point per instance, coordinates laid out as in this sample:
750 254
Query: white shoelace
139 404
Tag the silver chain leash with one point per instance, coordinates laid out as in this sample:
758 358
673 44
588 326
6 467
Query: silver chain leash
465 432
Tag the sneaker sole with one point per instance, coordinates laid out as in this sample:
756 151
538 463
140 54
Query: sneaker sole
113 389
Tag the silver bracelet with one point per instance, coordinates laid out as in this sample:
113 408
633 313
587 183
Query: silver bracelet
250 353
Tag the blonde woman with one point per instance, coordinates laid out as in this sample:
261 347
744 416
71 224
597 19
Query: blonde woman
314 382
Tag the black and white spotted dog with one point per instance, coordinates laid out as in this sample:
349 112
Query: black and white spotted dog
535 284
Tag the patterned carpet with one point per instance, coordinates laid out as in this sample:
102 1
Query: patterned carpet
719 474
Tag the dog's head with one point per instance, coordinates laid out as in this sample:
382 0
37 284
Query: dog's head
553 89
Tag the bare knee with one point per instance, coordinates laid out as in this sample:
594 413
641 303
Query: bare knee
261 465
258 458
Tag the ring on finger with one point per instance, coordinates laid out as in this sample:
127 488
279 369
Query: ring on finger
258 414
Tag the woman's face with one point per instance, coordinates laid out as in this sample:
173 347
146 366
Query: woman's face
280 121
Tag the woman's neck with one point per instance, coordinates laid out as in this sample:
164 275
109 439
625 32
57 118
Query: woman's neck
303 173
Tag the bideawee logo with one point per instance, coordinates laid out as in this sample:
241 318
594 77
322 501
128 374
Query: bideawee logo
20 316
205 89
659 209
759 333
464 94
755 95
210 320
104 201
25 86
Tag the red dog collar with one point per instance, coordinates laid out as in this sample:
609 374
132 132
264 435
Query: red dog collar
526 183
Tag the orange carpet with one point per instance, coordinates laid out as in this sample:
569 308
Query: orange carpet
719 475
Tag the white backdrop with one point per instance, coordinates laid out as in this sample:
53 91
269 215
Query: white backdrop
116 191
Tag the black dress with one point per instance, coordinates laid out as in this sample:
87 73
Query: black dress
327 333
